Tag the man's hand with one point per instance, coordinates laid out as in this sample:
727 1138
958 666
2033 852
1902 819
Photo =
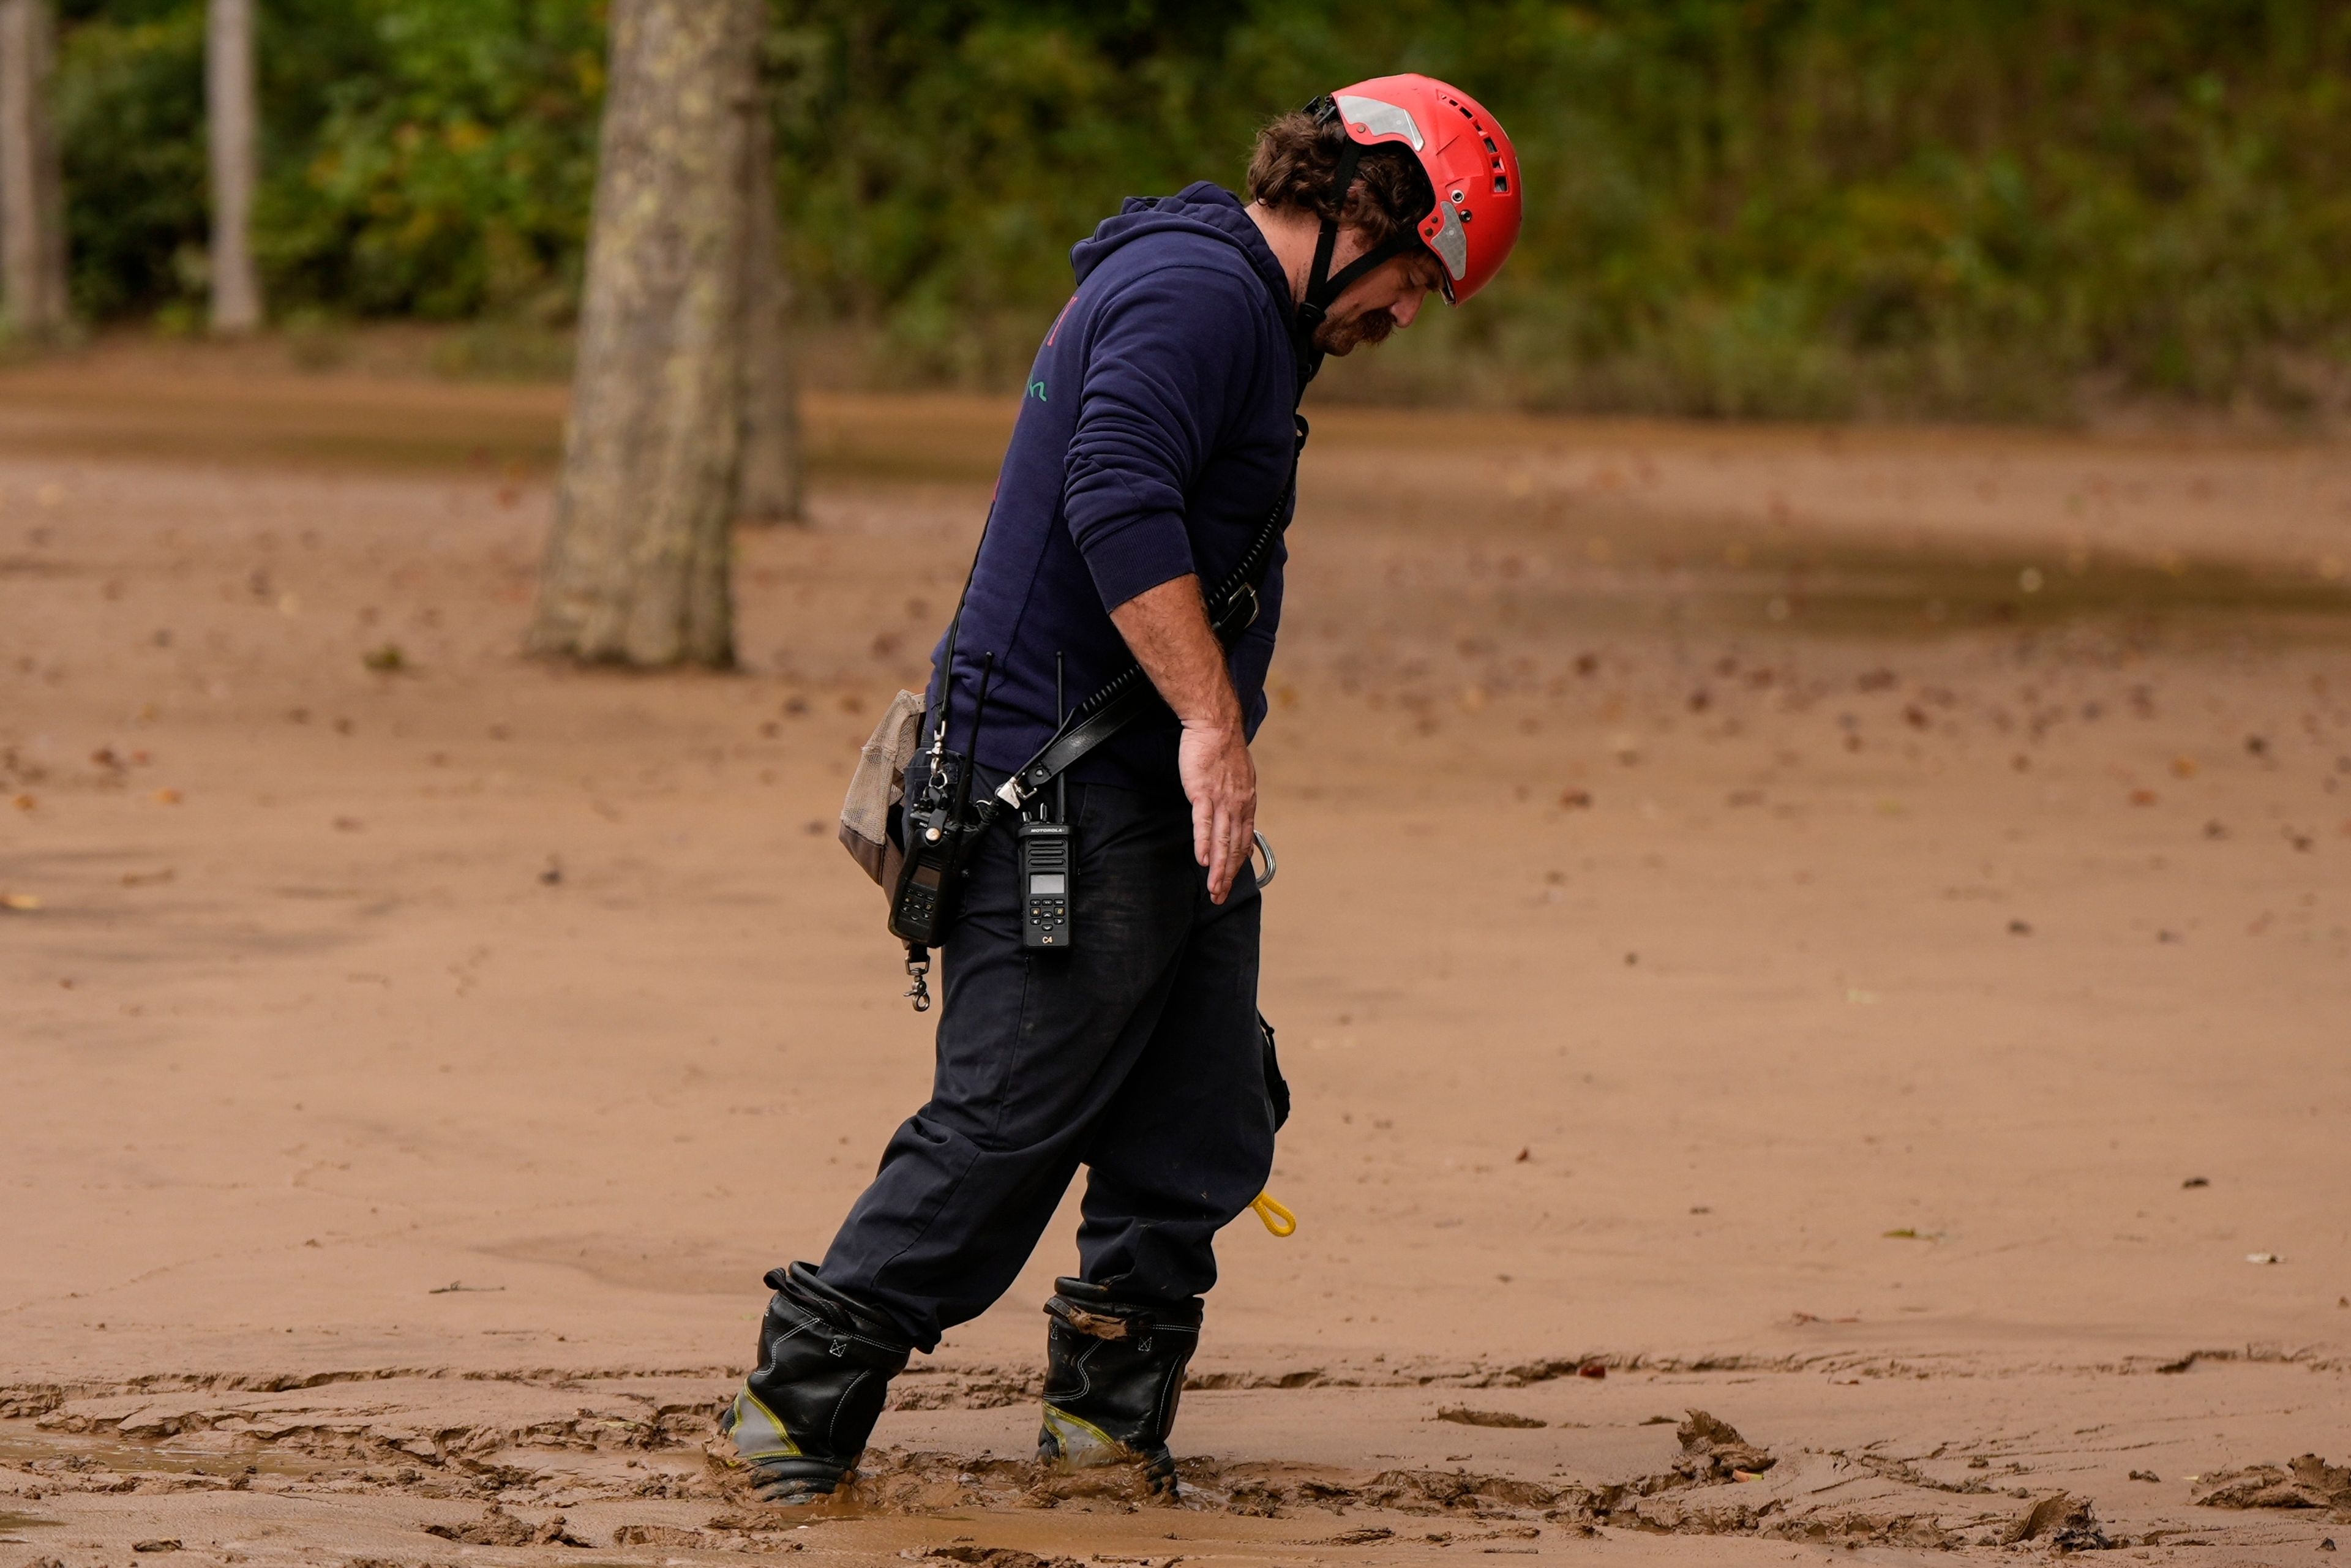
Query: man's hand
1168 627
1220 780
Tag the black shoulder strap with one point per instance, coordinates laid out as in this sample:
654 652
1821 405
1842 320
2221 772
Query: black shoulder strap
1129 694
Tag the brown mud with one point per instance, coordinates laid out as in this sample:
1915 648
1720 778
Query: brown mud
1844 931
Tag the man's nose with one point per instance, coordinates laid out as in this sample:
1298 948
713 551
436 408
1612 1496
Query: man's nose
1408 307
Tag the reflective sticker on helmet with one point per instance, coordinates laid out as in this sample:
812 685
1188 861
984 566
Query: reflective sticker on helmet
1450 242
1376 117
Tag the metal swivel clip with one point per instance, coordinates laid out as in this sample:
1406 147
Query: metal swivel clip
918 970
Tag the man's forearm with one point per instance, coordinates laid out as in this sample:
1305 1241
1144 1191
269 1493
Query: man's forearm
1167 628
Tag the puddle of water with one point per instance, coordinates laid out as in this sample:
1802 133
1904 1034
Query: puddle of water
12 1522
26 1444
1691 575
1928 592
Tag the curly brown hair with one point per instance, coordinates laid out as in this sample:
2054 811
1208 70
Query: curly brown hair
1297 156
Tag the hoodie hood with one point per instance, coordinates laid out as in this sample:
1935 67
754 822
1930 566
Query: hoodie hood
1203 207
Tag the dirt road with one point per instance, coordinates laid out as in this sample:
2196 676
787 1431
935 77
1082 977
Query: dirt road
1846 932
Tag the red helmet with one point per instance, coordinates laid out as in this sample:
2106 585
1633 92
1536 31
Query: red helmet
1468 158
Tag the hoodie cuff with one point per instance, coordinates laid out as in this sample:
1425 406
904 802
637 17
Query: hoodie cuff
1137 556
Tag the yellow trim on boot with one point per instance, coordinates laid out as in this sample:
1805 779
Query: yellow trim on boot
790 1451
1104 1450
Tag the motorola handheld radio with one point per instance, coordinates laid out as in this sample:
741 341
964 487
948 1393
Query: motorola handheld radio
1047 859
936 836
1049 863
942 826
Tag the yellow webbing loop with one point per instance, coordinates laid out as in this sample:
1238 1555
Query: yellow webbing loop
1277 1219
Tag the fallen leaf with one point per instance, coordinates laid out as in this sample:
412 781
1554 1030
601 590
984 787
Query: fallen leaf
21 902
165 796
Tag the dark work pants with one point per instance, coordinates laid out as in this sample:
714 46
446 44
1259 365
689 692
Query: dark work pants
1136 1054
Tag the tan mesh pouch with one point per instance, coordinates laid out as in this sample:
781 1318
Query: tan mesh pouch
879 785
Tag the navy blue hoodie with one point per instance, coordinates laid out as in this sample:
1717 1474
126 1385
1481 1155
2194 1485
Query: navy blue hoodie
1154 438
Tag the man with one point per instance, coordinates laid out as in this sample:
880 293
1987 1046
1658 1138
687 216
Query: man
1157 439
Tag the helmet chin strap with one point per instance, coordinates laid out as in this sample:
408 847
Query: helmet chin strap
1323 287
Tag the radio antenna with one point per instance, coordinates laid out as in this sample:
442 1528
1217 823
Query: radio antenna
1061 717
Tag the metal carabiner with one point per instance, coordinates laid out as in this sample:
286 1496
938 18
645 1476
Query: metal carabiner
1273 866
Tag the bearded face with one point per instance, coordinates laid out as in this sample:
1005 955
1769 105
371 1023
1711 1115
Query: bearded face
1341 335
1385 301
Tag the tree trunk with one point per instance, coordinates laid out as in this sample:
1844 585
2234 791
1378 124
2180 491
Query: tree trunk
228 120
769 490
32 194
636 568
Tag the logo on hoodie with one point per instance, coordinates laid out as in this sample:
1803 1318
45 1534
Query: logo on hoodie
1037 390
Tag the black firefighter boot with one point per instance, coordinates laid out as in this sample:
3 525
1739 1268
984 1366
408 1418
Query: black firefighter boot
801 1418
1113 1372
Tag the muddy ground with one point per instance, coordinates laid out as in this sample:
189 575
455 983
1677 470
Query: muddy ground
1845 931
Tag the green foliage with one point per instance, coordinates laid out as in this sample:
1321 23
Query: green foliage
129 108
452 174
429 158
1737 206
